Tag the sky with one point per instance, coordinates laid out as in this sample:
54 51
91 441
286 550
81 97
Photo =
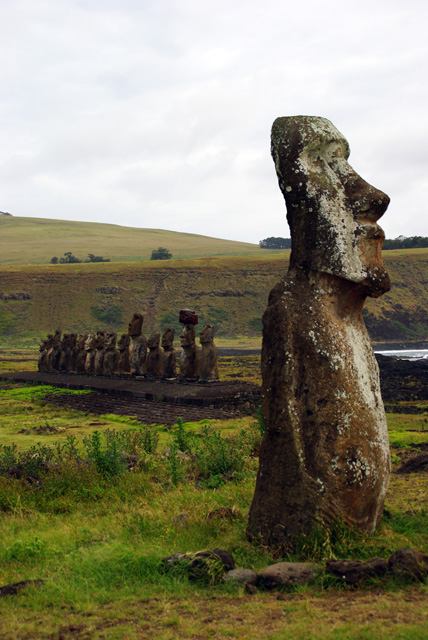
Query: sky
157 113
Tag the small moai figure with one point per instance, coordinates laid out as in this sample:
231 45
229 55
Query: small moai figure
111 354
99 353
90 348
154 357
45 345
54 352
70 353
80 354
138 346
208 361
189 358
62 360
123 364
169 362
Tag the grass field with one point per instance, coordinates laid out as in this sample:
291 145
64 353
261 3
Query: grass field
95 534
37 240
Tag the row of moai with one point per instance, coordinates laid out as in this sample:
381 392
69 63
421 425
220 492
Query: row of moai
133 354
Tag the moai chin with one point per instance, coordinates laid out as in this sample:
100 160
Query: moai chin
138 346
208 360
169 355
325 453
189 358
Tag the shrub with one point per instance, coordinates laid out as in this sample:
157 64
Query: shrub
161 254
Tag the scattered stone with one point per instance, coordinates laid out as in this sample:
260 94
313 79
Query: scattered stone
409 563
241 576
415 464
286 574
16 587
354 571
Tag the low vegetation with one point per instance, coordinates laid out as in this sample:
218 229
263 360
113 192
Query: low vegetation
90 505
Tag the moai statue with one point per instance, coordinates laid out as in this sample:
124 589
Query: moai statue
208 360
54 353
90 348
154 356
99 353
63 352
70 353
169 371
45 345
325 453
111 354
138 346
80 353
123 365
189 358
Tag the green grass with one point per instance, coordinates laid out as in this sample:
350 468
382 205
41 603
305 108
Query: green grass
97 538
37 240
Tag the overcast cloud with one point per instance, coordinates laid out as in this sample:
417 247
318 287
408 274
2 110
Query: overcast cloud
157 113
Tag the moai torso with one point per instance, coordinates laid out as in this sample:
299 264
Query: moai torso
99 353
154 356
138 346
169 369
111 354
123 366
189 358
90 348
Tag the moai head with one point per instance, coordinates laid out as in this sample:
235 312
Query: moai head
187 336
100 338
154 340
207 334
331 210
110 340
90 342
168 339
124 341
136 325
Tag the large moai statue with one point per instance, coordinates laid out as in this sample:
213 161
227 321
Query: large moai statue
99 353
44 347
70 354
325 453
138 346
189 358
154 357
80 353
90 348
208 359
111 354
63 352
123 365
169 370
54 353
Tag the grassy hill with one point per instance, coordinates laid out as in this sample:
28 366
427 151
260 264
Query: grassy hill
37 240
231 292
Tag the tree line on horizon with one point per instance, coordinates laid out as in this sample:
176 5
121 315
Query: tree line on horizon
412 242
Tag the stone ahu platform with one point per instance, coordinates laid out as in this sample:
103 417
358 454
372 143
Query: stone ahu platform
151 401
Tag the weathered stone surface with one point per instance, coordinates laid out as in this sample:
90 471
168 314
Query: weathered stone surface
187 316
355 571
55 352
409 563
90 347
123 365
138 346
44 347
111 354
99 353
80 353
208 359
286 574
189 358
169 361
241 576
325 453
154 362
